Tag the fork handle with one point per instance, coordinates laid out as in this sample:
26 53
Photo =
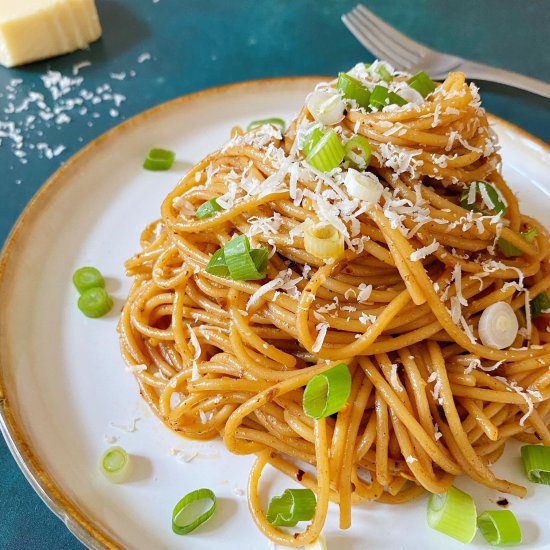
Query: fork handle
493 74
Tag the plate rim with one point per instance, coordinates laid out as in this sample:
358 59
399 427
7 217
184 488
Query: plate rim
17 441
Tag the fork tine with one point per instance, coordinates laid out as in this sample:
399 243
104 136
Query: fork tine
392 52
367 40
391 33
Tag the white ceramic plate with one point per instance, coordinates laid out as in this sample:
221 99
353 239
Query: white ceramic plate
64 388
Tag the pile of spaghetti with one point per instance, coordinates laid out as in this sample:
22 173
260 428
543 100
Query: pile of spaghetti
387 241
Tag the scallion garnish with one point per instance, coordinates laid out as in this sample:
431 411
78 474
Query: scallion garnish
116 465
498 325
216 265
383 73
422 83
499 527
536 462
238 261
159 159
327 153
490 196
275 121
182 515
208 209
509 250
358 152
323 241
312 138
328 392
454 514
95 302
363 185
540 304
292 506
352 88
381 97
326 106
85 278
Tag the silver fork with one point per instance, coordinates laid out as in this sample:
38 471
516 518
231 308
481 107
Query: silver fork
387 43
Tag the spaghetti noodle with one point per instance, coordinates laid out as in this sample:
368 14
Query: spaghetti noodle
400 306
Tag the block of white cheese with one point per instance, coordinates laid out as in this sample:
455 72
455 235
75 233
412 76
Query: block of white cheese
37 29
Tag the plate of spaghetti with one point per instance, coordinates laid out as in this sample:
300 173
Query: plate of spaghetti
335 320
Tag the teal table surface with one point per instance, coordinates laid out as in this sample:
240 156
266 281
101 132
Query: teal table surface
155 50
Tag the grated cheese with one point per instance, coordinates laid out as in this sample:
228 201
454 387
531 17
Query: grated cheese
322 329
422 253
364 292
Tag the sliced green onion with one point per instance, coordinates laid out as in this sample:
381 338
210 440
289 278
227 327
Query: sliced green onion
454 514
509 250
326 106
208 209
259 257
95 302
491 197
498 326
323 241
358 152
327 153
237 261
240 263
292 506
381 97
383 73
530 235
422 83
363 185
116 465
275 121
352 88
182 523
328 392
217 266
159 159
540 304
312 138
85 278
396 99
536 462
499 527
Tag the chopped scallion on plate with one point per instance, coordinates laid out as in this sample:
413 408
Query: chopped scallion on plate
207 209
422 83
260 122
190 511
358 152
238 261
328 392
536 462
323 241
87 277
454 514
352 88
158 159
499 527
95 302
116 465
292 506
327 153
